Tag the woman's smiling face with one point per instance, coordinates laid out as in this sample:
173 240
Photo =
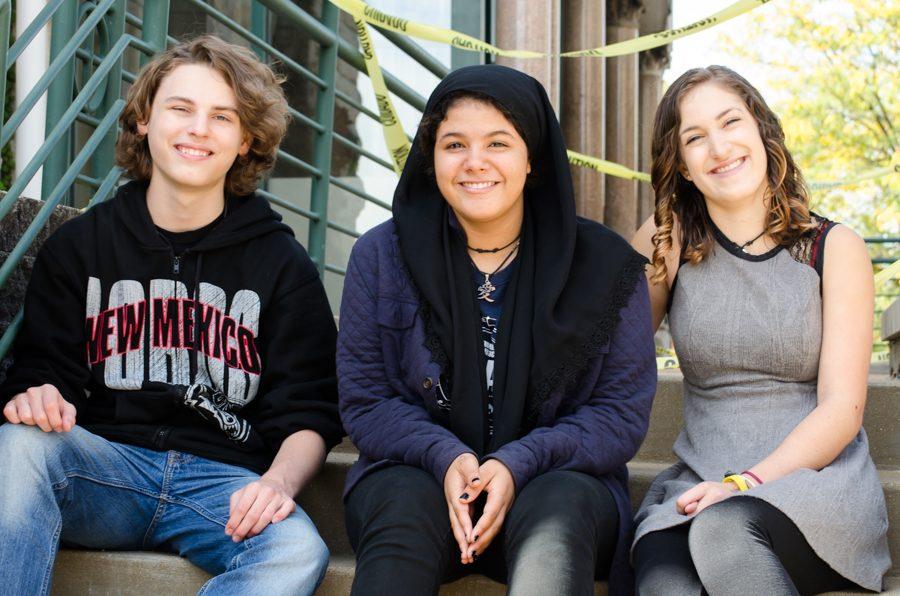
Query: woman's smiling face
721 150
480 163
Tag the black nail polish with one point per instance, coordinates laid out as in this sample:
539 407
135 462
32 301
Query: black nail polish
475 555
476 479
475 538
464 496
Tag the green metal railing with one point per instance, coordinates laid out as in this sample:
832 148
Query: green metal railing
887 292
92 42
93 45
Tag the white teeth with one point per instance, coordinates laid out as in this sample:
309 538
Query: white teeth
192 152
477 185
729 167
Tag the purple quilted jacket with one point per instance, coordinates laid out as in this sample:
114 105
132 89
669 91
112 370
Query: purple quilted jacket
392 406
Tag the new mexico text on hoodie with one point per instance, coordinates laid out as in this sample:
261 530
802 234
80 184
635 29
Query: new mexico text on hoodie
222 351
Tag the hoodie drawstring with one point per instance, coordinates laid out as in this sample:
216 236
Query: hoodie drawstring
198 317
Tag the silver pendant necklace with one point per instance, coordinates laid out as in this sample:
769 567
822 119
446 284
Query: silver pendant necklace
483 292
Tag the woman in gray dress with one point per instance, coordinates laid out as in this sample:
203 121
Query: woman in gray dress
770 309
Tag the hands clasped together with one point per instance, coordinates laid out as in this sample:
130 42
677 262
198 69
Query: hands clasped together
464 481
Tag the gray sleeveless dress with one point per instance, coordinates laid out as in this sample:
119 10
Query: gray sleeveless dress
747 330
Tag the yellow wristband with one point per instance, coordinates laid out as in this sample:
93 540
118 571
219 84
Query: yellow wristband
738 480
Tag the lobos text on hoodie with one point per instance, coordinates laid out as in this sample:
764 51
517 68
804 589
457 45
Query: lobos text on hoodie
222 351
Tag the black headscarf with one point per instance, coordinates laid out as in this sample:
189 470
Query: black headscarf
572 276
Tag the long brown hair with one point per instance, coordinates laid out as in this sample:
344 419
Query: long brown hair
678 199
261 106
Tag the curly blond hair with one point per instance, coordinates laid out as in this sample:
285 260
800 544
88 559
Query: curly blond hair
261 105
678 198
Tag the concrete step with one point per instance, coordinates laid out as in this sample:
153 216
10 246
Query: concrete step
881 421
340 579
322 503
130 573
141 574
90 572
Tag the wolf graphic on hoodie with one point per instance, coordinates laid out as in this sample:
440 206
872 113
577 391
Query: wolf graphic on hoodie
221 349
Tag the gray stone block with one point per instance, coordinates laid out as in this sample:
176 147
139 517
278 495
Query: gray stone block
14 225
890 332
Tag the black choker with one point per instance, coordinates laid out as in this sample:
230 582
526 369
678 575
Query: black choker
483 292
493 250
746 244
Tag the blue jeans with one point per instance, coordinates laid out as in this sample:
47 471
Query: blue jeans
89 492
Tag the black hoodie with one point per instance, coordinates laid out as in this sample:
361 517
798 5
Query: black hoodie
223 351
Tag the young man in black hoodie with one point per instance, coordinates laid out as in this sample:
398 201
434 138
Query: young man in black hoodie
173 385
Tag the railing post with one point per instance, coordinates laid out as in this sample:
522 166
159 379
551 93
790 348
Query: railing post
5 16
322 144
155 26
259 25
59 95
104 156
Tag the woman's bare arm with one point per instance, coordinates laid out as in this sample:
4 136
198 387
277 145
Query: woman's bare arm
659 293
847 315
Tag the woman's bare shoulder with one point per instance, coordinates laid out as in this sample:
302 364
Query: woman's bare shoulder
642 241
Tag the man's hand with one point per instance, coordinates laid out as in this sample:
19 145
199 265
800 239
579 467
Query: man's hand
271 498
43 407
460 483
701 496
255 506
498 483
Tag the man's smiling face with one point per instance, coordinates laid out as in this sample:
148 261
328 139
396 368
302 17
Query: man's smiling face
193 132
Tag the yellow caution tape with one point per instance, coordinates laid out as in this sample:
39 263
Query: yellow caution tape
467 42
655 40
607 167
397 141
394 137
360 9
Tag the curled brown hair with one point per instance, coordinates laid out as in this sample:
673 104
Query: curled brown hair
678 199
261 106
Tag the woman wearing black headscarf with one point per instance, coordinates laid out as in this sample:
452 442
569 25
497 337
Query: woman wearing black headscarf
495 360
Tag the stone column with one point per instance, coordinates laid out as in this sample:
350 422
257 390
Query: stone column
657 17
622 116
653 63
531 25
583 106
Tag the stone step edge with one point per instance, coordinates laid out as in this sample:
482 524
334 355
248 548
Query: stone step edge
137 573
341 569
889 476
641 474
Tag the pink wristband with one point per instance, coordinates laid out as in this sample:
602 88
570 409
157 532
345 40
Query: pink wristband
753 476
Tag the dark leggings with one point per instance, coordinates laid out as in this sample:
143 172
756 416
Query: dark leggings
559 534
737 546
